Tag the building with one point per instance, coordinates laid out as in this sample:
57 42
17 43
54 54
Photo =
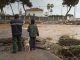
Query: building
37 11
62 17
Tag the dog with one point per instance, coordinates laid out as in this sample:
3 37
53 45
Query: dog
26 45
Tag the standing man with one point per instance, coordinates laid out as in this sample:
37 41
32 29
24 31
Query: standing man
16 27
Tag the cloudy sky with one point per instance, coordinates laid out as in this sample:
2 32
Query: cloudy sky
57 9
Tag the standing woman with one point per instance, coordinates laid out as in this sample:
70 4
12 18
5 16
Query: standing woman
33 32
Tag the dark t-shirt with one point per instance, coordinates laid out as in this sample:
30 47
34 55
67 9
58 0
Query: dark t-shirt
33 30
16 26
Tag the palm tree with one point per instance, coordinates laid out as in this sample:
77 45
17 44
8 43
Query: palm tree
26 3
48 7
51 8
52 5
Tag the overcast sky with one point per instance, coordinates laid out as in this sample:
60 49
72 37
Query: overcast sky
43 3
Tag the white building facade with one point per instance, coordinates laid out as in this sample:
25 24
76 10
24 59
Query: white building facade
37 11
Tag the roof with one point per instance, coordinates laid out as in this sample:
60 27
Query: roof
34 9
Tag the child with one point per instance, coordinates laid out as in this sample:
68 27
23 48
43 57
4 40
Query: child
33 32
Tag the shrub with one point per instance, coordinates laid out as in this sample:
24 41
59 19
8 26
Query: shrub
72 51
68 41
75 50
65 53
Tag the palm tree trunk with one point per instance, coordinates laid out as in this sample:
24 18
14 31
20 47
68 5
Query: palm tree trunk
12 9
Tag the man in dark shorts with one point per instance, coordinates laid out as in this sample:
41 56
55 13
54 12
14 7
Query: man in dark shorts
16 27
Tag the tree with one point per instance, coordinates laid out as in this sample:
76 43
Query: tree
51 10
49 7
3 3
70 4
9 2
26 3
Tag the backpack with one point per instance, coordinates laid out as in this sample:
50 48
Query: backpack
32 30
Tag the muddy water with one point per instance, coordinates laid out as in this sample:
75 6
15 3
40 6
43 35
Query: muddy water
55 31
47 31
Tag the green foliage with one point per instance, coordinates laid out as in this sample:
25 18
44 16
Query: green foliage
26 2
3 3
68 41
48 6
65 52
70 2
70 52
75 50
